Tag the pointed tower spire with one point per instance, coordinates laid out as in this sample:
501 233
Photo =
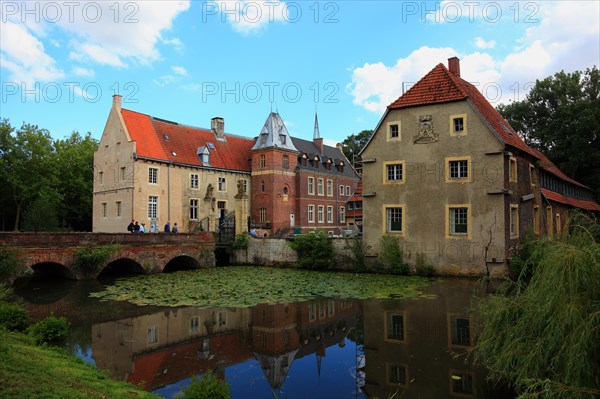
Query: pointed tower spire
316 134
317 140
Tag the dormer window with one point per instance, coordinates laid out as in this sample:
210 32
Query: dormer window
341 167
166 136
303 159
263 138
174 153
282 138
204 155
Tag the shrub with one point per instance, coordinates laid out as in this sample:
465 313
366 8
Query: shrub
544 339
9 263
315 251
207 387
393 256
422 267
241 241
13 316
357 249
93 257
522 262
50 330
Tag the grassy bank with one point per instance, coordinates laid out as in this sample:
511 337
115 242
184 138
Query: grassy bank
30 371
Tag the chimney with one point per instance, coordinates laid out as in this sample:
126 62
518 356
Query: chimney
117 100
217 124
454 66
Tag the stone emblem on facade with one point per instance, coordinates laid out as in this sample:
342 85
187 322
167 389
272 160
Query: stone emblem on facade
426 134
241 193
209 192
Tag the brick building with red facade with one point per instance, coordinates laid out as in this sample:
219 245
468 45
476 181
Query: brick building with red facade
299 185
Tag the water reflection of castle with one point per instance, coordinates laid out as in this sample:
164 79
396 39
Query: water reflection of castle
407 345
172 345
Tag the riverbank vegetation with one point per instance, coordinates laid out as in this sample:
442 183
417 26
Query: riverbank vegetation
542 335
238 286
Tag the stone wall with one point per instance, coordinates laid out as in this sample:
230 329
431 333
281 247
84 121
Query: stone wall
277 252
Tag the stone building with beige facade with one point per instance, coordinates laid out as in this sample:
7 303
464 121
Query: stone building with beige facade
156 171
449 178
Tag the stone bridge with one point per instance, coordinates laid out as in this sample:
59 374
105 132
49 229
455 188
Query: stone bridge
55 254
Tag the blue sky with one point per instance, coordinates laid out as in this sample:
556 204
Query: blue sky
188 61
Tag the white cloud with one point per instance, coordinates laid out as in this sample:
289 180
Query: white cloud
165 80
131 33
249 16
78 71
179 70
482 44
568 37
25 57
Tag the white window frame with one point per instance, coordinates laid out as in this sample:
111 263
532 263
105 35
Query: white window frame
194 208
320 186
311 214
194 179
153 175
311 185
342 214
320 214
152 207
329 214
221 184
329 188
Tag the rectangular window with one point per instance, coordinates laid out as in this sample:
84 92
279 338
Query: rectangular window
319 186
311 186
347 190
119 208
312 311
152 207
329 214
549 220
514 221
395 326
194 325
341 190
342 214
536 219
101 177
261 161
393 131
320 211
286 161
153 175
311 214
512 169
396 374
459 125
533 176
321 310
193 209
262 215
330 308
245 183
329 188
459 169
194 181
462 383
123 173
393 220
152 335
394 172
459 221
222 186
460 331
222 319
104 210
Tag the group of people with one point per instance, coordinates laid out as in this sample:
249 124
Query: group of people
135 227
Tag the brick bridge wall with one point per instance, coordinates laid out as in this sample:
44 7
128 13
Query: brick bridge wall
151 252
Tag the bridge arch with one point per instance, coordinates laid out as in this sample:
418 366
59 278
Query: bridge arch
181 262
48 270
121 266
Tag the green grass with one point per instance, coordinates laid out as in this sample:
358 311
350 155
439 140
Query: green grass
32 372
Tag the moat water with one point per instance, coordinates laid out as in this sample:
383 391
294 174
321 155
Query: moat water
323 348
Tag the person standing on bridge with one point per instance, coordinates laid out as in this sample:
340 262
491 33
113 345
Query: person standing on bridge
175 229
131 227
168 227
136 227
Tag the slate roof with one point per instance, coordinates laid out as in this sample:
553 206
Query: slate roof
274 134
173 142
311 150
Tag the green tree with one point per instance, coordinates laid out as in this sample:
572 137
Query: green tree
561 117
74 165
354 144
26 166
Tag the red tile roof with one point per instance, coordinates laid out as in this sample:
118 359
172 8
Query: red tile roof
183 142
556 197
550 167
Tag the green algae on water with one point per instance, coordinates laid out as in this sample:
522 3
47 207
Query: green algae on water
242 286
